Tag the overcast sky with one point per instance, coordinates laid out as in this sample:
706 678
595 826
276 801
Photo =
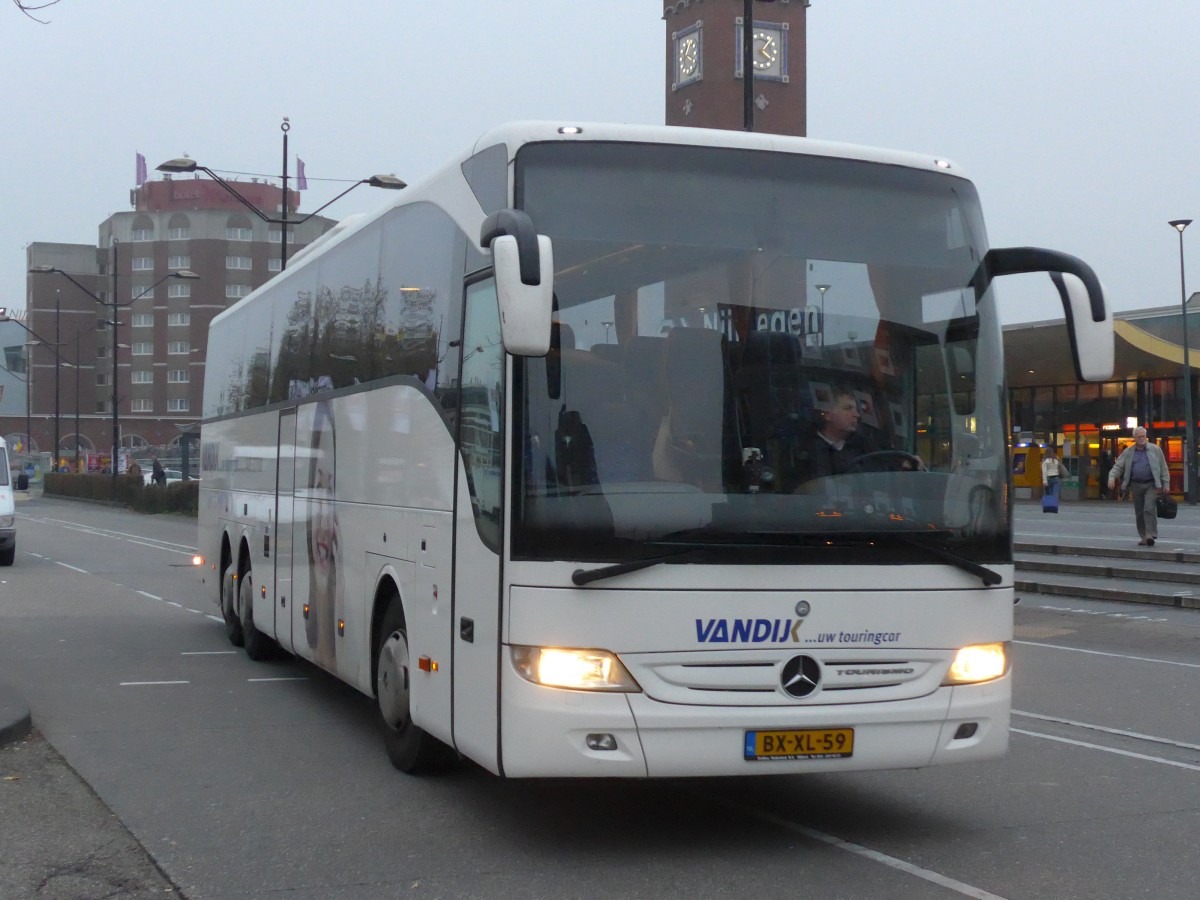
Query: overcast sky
1078 121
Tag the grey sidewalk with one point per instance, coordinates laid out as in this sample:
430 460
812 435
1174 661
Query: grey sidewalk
60 840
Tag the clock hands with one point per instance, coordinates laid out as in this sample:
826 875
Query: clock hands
767 47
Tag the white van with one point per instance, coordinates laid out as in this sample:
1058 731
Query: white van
8 517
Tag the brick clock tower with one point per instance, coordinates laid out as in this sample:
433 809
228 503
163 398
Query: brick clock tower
704 64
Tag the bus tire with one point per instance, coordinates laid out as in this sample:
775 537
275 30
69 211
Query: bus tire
408 747
233 625
7 556
258 646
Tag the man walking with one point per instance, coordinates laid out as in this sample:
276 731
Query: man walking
1142 469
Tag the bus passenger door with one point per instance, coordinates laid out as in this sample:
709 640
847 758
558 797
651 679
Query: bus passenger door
316 543
284 505
479 530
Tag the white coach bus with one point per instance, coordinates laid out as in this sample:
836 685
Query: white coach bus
543 457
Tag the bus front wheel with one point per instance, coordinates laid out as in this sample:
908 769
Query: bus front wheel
408 747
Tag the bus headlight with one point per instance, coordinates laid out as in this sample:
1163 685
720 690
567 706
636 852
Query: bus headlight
979 662
581 670
7 521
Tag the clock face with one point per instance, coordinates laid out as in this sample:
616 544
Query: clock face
689 53
766 49
768 56
689 56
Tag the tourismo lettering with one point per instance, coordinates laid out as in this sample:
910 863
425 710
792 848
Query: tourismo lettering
747 631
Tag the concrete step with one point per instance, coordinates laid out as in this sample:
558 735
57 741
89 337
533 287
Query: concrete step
1162 551
1157 593
1102 567
1160 575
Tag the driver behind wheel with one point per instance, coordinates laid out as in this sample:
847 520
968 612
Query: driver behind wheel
839 448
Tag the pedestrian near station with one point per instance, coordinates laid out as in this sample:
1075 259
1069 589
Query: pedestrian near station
1052 474
1141 469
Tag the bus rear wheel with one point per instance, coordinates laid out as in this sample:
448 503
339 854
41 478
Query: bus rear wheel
259 647
408 747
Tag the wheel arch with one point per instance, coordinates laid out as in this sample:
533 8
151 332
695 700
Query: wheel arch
226 555
387 593
243 554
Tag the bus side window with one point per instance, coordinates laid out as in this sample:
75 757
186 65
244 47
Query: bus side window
481 409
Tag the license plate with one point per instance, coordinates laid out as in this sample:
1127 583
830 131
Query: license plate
806 743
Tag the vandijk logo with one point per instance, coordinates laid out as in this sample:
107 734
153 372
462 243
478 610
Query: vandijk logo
747 631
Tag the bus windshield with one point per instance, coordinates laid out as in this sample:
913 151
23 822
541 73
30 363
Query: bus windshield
757 350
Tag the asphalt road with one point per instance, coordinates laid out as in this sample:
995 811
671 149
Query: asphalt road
229 778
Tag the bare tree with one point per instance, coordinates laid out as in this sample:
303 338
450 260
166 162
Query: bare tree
28 8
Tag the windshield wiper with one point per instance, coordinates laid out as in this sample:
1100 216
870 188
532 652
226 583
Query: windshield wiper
581 577
986 575
690 548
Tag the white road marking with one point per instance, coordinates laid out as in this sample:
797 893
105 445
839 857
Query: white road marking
145 683
1142 756
1099 612
72 568
215 619
174 604
141 540
967 890
1164 662
1117 731
151 596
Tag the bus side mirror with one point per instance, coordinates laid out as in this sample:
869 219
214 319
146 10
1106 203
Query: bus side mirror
523 262
1089 321
1091 341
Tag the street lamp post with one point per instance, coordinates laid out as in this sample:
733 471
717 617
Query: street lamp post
1190 425
185 164
57 343
28 403
116 397
821 325
748 63
116 307
76 367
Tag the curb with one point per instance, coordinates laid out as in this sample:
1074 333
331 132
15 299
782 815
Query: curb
1142 554
15 721
1174 601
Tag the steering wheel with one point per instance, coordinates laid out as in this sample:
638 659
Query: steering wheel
902 455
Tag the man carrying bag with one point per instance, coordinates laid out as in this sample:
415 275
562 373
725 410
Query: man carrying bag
1142 470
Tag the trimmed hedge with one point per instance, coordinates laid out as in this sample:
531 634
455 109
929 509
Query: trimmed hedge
178 497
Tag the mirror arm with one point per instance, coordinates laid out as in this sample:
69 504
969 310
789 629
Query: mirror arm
517 223
1024 260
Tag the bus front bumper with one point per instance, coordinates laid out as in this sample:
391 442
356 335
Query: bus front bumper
557 733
